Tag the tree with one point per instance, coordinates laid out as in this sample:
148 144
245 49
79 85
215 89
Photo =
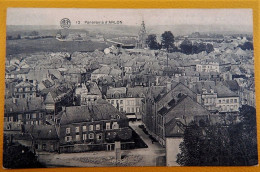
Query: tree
209 48
18 156
247 46
234 144
186 46
167 40
152 42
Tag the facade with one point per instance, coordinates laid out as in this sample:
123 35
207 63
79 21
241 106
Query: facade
31 111
88 93
160 107
25 89
95 127
127 100
208 67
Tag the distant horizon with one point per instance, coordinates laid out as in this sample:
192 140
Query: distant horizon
53 16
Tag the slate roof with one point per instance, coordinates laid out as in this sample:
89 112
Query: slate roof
224 91
120 90
232 85
101 111
42 132
175 128
102 70
136 91
199 86
23 105
24 84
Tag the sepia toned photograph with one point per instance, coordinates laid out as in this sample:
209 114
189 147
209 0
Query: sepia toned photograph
129 88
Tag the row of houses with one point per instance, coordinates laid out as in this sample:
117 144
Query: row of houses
77 128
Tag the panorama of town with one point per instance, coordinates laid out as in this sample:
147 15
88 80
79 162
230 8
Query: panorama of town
140 100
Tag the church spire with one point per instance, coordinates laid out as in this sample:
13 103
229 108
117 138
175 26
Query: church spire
142 36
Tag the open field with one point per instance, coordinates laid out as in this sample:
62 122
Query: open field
50 45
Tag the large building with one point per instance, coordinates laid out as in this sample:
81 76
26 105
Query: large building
208 67
162 108
95 127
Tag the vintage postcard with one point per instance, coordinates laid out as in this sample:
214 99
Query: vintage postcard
129 87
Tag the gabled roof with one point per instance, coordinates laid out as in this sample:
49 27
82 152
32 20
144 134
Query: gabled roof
23 105
24 84
100 111
42 132
49 99
231 84
224 91
175 128
189 108
136 91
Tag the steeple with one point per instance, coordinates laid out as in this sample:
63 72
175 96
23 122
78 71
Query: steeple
142 36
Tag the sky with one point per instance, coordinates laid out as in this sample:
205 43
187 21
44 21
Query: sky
52 16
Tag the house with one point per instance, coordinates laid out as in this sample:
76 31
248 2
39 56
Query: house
31 111
25 89
207 67
127 100
43 137
186 109
88 93
56 97
95 127
101 72
227 100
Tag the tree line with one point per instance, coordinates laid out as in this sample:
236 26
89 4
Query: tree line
226 144
186 47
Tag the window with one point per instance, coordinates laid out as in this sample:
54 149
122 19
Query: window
98 127
31 122
20 116
99 136
227 101
40 122
108 126
137 109
84 136
40 115
77 137
219 101
128 109
44 146
231 100
121 101
115 125
235 100
90 127
121 109
76 129
28 116
84 128
91 136
11 119
36 122
67 130
116 101
68 138
112 102
133 110
33 115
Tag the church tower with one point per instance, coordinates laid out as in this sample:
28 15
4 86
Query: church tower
142 36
